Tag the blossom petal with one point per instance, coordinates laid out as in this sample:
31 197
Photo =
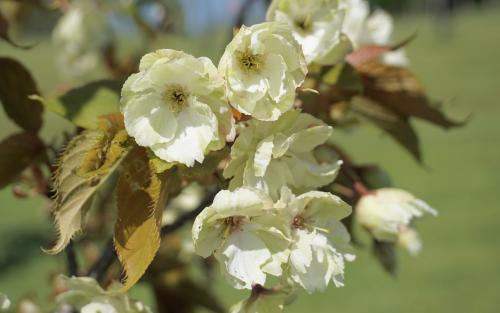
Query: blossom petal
197 127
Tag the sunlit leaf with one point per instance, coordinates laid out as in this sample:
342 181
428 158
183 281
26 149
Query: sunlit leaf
111 145
397 89
84 105
398 127
17 152
75 192
141 200
16 85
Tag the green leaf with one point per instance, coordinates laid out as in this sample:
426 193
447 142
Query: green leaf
398 127
17 152
84 105
141 200
374 176
397 89
16 85
385 253
75 186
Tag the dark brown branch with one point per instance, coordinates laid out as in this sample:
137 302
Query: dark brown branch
71 259
101 266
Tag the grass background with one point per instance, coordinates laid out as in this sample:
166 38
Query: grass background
459 269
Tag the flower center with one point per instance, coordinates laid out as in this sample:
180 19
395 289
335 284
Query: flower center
250 62
176 97
304 23
233 222
299 222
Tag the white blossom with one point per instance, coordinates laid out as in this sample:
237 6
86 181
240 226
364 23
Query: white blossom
87 296
243 231
320 242
365 29
96 307
4 302
80 36
175 106
388 214
263 65
269 155
316 25
356 13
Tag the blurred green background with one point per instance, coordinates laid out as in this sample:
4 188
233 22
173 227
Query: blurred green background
459 269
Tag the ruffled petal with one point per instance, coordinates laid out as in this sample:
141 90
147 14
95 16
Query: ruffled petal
197 127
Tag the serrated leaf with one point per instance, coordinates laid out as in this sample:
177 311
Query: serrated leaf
16 85
141 200
397 89
85 104
398 127
75 193
385 253
112 144
17 152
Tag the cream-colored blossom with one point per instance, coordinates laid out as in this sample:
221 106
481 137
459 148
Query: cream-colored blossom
243 231
175 106
317 26
263 65
356 13
97 307
87 296
80 36
364 28
269 155
4 302
388 214
320 242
